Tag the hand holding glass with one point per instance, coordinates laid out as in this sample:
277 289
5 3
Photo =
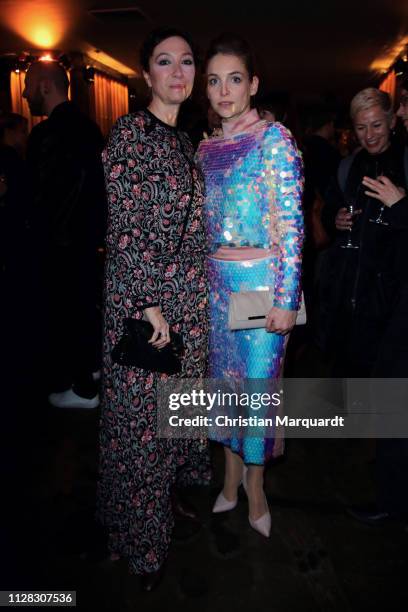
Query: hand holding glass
350 244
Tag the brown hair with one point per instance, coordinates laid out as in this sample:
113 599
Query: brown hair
232 44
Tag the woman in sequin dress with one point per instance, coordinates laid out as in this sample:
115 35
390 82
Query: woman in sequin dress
253 176
154 191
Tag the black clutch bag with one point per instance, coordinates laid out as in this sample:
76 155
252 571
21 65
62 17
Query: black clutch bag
133 349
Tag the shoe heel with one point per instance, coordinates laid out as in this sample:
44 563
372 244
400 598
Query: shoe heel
263 524
223 505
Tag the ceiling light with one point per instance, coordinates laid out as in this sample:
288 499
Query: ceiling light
47 57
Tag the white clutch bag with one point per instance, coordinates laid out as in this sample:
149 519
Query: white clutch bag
248 309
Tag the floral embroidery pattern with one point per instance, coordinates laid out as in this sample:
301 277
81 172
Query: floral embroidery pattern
150 180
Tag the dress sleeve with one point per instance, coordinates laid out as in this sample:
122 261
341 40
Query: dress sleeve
284 178
131 220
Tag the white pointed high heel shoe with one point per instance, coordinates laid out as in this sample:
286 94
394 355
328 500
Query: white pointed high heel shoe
223 505
263 524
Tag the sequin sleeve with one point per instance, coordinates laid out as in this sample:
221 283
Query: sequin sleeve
284 176
130 221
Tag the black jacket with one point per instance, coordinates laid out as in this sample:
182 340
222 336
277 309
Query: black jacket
68 197
358 288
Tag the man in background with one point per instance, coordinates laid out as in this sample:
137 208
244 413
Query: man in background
66 220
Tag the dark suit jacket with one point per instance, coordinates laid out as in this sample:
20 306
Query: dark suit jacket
64 159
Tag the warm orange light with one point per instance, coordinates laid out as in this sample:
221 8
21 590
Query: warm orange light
46 58
389 55
42 23
109 61
44 37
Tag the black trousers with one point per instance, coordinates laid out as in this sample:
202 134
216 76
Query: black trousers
73 325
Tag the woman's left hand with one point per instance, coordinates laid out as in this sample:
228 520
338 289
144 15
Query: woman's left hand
384 190
280 321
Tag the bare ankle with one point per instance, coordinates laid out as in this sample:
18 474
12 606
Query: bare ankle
230 491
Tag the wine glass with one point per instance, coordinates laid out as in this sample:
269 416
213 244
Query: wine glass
379 218
350 244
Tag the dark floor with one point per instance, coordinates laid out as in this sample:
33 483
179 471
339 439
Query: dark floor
316 559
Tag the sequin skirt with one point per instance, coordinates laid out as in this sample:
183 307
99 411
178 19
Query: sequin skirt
242 354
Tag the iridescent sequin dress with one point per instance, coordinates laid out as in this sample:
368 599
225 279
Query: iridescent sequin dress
253 199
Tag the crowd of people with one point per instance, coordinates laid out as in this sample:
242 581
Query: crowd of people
184 233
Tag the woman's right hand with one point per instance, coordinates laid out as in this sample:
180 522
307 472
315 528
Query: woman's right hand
161 334
344 219
280 321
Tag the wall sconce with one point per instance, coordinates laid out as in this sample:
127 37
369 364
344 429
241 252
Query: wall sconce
89 74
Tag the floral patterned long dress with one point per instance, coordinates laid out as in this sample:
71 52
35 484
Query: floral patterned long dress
150 178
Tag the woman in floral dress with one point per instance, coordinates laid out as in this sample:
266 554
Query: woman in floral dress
155 267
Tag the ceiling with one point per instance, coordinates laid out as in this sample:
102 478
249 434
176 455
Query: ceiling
304 47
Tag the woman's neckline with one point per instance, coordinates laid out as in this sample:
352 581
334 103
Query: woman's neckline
243 125
160 121
243 131
386 151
